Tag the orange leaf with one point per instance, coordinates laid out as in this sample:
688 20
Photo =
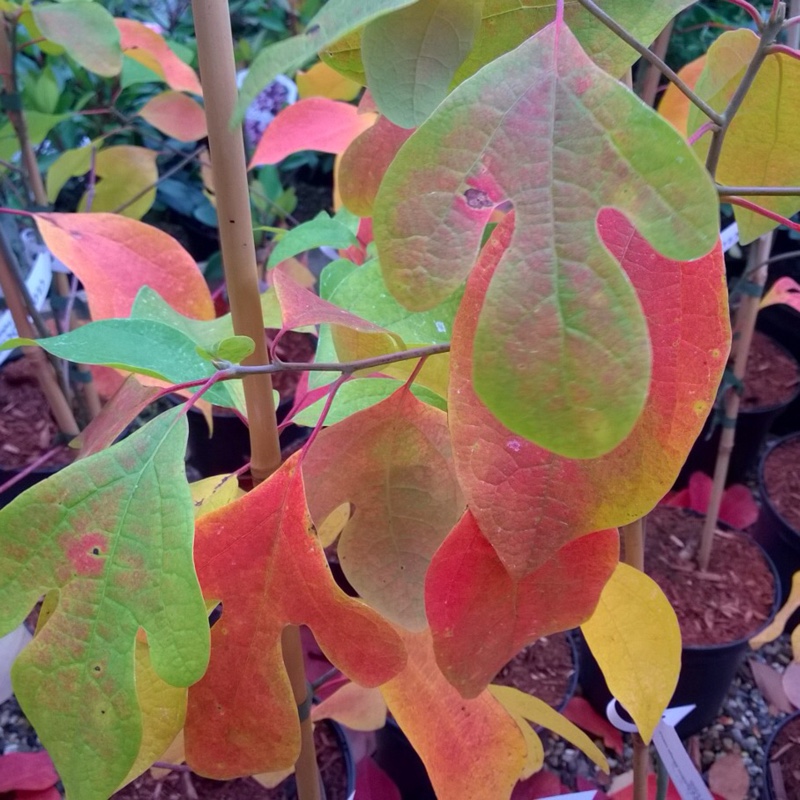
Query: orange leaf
675 105
472 749
728 777
355 706
260 556
176 115
393 463
481 616
150 49
114 257
784 290
365 162
315 123
529 502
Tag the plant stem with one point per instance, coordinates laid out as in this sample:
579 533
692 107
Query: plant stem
633 541
44 371
652 75
769 33
643 51
745 325
762 191
226 150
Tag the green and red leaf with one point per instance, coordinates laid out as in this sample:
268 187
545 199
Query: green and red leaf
561 351
529 502
112 534
393 463
261 558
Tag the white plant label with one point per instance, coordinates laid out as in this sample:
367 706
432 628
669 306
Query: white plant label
729 236
680 768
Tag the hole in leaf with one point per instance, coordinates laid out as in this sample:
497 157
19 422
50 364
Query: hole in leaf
95 551
477 198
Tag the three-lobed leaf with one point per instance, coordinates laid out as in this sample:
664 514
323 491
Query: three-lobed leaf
261 558
113 534
561 350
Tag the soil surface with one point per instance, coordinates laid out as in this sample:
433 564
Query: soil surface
729 602
782 480
784 761
27 429
187 786
772 375
544 669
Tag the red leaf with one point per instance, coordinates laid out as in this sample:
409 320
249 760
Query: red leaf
580 711
315 123
114 257
365 162
372 783
769 683
791 683
542 784
504 476
45 794
260 557
27 771
481 616
737 509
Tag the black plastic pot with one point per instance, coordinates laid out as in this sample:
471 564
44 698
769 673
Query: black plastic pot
31 479
769 783
705 678
398 759
752 427
228 447
776 535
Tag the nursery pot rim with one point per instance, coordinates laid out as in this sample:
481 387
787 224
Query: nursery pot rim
789 400
767 779
776 604
762 487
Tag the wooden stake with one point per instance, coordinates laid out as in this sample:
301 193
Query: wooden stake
633 541
756 274
793 33
218 76
44 371
652 76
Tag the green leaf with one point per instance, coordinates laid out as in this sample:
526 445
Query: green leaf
39 125
561 353
113 535
336 19
233 349
322 231
68 165
411 56
137 345
364 293
358 394
87 32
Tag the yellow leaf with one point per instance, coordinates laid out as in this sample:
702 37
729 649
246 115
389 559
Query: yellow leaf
269 780
174 754
324 81
124 171
333 524
68 165
775 628
355 706
634 636
212 493
163 712
532 709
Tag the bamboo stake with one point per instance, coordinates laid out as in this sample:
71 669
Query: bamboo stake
744 327
44 371
793 33
226 145
633 542
652 75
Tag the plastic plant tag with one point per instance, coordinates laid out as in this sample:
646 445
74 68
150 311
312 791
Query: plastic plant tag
575 796
682 772
10 647
729 236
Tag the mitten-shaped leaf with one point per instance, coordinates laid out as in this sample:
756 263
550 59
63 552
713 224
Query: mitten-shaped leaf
260 556
561 350
393 463
113 534
481 616
529 502
448 732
